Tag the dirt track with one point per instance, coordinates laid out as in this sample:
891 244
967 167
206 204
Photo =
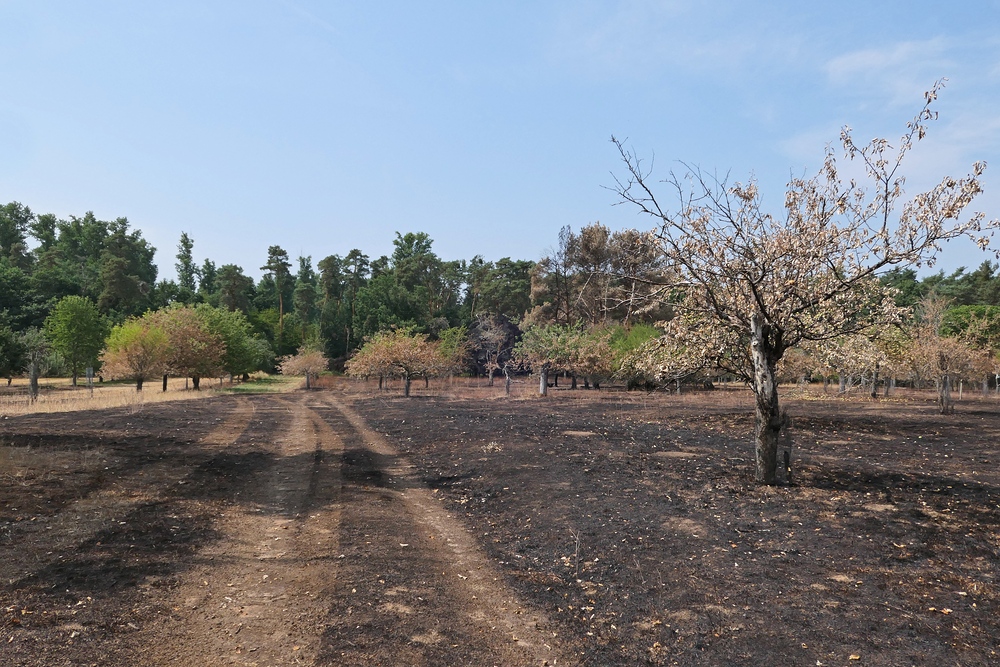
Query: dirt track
287 534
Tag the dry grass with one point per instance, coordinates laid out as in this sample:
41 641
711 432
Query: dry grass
58 394
726 395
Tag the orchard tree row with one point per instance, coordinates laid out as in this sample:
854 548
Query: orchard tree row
828 286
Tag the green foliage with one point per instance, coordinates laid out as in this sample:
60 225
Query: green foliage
76 330
277 267
499 288
15 220
235 290
304 296
978 324
546 346
244 352
137 349
453 348
626 340
980 287
13 354
187 270
127 272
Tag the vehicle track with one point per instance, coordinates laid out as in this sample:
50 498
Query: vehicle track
257 595
416 588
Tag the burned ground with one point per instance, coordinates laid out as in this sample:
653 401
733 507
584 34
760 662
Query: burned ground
620 528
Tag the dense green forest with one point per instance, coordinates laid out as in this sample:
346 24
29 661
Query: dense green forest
334 303
339 301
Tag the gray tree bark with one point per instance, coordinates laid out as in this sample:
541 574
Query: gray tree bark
944 396
33 380
765 353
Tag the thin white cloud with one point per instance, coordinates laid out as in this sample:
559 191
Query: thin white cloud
640 37
309 16
897 73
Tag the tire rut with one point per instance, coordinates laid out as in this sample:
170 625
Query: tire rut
257 595
415 587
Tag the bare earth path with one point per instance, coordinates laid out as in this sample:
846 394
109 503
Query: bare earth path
287 533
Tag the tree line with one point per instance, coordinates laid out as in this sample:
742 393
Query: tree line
73 291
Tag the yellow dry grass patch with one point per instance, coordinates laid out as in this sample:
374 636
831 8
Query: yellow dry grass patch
58 394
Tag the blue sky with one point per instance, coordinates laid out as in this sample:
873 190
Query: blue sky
325 126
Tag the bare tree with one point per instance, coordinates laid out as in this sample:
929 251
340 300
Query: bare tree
751 285
494 340
946 360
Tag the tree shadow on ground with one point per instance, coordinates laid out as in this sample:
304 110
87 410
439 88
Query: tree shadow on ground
152 540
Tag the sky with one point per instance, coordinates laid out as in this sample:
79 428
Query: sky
323 126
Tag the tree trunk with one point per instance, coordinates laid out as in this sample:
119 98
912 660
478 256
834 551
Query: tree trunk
843 382
826 383
74 378
543 380
196 382
33 380
986 386
308 386
246 377
506 386
489 382
874 391
164 382
427 382
944 395
406 386
281 317
573 385
138 384
768 417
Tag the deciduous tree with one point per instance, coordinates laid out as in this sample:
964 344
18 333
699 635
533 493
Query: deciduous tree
398 353
947 359
193 349
309 362
76 330
544 349
244 352
36 348
753 285
137 349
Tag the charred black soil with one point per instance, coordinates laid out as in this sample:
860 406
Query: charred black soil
594 528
